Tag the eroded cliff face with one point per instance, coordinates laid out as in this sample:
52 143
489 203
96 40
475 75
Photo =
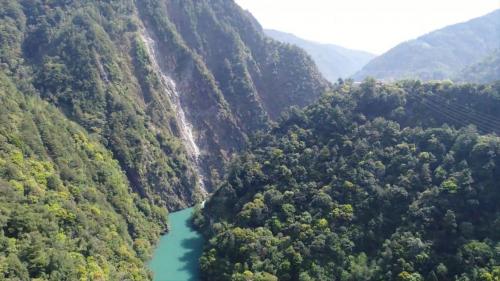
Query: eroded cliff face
233 80
258 77
114 111
171 88
184 126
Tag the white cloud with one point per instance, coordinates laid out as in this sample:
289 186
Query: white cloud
372 25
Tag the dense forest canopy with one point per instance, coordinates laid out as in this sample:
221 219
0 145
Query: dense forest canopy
91 150
370 183
66 208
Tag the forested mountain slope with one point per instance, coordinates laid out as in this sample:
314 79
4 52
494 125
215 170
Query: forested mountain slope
367 184
67 211
95 61
485 71
221 51
333 61
114 111
440 54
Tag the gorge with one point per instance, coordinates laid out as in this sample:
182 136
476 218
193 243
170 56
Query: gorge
118 116
114 112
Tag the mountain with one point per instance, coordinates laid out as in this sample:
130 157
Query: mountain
114 112
67 211
485 71
153 81
332 60
377 182
440 54
227 90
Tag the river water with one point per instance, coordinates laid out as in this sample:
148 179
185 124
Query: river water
176 258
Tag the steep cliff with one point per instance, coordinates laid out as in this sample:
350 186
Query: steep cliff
232 79
172 88
113 111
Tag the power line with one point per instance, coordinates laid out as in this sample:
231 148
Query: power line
464 117
460 115
467 110
452 116
455 116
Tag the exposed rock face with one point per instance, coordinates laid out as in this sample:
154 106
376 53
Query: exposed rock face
172 88
232 78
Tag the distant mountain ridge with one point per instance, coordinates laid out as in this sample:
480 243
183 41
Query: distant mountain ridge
332 60
440 54
485 71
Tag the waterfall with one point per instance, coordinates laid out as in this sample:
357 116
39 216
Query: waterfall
170 90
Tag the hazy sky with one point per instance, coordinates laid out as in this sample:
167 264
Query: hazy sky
371 25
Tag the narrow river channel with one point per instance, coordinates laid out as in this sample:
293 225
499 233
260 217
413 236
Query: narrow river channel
177 254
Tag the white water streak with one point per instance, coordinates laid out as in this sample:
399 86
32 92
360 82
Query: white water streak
170 90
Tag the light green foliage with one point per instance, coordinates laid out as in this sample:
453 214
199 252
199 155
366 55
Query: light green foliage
450 185
66 208
101 188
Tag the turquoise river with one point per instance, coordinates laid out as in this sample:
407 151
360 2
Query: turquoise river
176 256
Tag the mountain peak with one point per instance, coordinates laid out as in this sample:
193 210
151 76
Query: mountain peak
440 54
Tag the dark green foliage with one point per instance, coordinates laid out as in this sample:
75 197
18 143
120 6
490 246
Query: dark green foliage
102 187
88 59
367 184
